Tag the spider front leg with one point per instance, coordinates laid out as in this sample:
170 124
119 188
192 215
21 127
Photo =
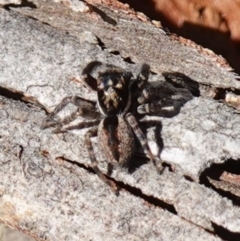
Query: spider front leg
143 141
89 134
162 98
142 77
86 108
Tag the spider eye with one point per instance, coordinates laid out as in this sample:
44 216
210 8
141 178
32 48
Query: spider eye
101 86
119 86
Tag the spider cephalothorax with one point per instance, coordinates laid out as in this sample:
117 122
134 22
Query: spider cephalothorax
113 91
112 118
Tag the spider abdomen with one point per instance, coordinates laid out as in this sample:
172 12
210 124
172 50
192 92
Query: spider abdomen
116 139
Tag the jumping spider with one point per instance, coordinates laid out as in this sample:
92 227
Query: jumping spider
112 117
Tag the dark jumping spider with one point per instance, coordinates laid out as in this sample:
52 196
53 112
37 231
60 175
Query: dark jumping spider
113 119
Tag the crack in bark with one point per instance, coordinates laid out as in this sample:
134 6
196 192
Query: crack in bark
214 172
125 187
219 231
24 3
225 234
19 96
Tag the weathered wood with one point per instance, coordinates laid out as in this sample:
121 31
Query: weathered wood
48 188
56 200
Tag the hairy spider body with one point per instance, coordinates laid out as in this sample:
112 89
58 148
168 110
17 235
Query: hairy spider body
114 98
115 143
117 127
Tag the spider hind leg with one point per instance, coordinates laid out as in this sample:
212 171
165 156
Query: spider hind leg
89 134
143 140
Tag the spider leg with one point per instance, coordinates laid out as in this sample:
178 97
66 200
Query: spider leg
143 140
164 107
90 67
142 77
159 96
155 90
70 118
162 98
87 71
91 133
150 107
78 126
92 70
86 109
138 84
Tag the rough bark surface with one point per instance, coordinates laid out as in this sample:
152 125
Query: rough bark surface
48 188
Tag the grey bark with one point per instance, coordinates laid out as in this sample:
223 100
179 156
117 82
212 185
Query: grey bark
48 188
